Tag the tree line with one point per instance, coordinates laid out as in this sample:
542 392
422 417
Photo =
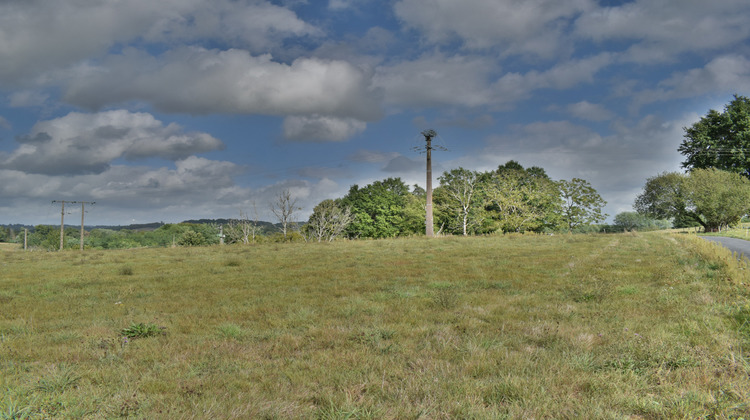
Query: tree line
509 199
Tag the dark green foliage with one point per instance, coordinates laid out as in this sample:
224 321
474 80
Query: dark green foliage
191 238
378 209
720 140
630 220
141 330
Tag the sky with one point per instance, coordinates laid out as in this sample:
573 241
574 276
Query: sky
163 111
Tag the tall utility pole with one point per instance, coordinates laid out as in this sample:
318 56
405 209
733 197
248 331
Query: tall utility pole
429 225
62 219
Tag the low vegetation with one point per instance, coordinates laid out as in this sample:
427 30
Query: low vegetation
516 326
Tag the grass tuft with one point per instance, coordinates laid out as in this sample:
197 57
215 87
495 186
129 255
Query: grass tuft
142 330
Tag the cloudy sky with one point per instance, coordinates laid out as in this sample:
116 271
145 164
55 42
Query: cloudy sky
183 109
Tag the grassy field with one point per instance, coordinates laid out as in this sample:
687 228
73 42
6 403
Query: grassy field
589 326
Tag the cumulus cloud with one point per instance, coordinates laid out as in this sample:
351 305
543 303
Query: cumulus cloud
27 98
585 110
513 26
515 86
372 156
725 74
87 143
200 81
434 79
39 36
662 29
319 128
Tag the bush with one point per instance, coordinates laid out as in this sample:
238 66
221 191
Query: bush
191 238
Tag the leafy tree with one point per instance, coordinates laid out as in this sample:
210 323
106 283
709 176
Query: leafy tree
378 209
522 199
720 140
709 197
581 205
457 198
327 222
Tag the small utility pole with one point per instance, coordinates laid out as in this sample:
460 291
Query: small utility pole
83 211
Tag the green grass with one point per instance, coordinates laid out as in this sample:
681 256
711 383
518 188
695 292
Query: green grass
589 326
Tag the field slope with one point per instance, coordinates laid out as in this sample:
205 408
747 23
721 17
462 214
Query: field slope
594 326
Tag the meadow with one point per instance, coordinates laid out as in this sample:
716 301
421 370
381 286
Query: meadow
515 326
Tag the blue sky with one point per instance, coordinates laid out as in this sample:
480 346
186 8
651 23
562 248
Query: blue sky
184 109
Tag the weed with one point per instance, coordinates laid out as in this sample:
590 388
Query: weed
14 410
142 330
233 263
232 331
58 379
445 298
126 271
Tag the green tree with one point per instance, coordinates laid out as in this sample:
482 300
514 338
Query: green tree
581 204
521 199
378 209
457 199
720 140
709 197
327 222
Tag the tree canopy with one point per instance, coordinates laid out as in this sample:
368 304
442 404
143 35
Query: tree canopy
720 140
710 197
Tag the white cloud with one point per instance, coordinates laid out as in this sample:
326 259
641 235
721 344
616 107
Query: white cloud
321 128
662 29
87 143
26 98
514 26
38 36
372 156
200 81
435 79
339 5
587 111
724 74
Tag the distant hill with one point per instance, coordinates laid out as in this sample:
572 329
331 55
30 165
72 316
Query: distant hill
264 226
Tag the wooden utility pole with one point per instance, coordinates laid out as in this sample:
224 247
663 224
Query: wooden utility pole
62 219
429 224
83 211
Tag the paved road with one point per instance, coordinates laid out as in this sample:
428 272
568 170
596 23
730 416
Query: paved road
740 246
